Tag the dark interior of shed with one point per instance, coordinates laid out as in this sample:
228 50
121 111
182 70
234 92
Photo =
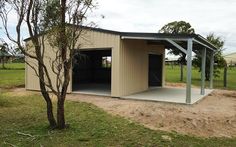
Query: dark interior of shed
92 69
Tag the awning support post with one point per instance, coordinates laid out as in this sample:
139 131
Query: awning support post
189 71
211 69
203 78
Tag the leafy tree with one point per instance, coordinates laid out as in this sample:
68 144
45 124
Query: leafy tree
218 58
178 27
57 22
3 53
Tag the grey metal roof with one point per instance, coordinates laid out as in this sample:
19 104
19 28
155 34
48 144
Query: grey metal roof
158 38
200 41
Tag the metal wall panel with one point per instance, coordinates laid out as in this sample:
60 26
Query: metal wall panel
88 40
134 65
129 62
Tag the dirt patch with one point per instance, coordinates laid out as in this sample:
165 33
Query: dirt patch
215 116
178 85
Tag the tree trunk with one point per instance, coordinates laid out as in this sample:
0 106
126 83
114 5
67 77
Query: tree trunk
60 113
46 97
181 72
61 124
63 49
3 62
50 115
225 76
207 75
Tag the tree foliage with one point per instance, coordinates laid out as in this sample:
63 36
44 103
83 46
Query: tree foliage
3 53
219 61
178 27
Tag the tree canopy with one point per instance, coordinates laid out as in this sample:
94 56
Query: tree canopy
218 58
178 27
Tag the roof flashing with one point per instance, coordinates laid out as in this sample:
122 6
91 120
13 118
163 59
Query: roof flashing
152 36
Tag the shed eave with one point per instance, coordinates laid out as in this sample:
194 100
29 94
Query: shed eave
153 38
196 38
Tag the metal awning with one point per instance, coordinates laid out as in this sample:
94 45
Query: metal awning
163 39
186 43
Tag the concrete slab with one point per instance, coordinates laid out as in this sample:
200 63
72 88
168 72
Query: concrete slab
168 94
93 89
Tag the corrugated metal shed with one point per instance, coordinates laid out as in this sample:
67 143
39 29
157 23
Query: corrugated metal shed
230 59
130 57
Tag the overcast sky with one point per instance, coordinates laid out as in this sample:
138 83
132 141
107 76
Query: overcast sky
206 16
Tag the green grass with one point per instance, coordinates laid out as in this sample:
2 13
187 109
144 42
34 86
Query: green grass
173 76
12 76
89 126
17 66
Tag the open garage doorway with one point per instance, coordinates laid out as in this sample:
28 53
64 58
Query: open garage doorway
155 70
92 72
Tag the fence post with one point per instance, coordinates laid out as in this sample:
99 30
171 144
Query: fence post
225 76
181 72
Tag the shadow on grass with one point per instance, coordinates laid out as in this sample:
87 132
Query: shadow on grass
4 103
9 101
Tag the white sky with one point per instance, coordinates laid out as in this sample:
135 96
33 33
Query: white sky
206 16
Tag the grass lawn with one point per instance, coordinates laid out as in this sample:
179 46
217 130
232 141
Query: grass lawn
89 126
173 76
13 76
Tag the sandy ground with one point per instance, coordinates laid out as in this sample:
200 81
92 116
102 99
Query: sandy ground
214 116
19 92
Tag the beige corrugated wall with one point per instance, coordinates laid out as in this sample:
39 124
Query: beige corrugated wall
230 59
129 62
32 80
134 65
89 40
98 40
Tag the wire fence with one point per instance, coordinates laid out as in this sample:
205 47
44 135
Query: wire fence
226 78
